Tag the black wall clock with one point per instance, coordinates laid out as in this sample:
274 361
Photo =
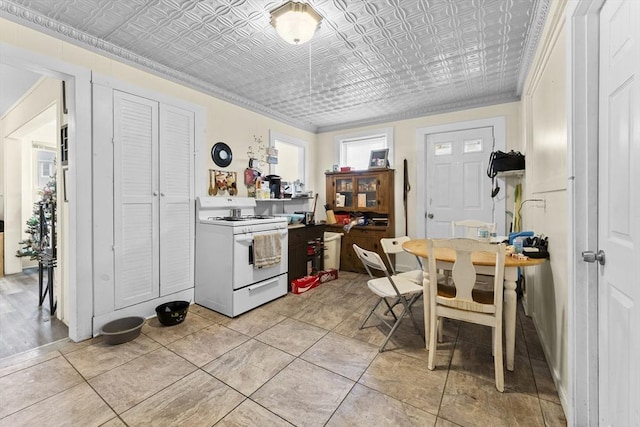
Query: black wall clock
221 154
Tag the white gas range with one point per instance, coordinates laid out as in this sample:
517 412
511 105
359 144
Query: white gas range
226 279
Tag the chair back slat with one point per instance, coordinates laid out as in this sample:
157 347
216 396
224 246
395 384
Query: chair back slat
464 273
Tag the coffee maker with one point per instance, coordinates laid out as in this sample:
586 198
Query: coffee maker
274 185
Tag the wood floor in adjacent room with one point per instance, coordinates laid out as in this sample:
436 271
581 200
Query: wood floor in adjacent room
23 324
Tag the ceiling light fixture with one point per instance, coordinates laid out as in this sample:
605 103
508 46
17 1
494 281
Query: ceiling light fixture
295 22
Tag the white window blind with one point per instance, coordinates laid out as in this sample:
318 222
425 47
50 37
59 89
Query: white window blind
355 149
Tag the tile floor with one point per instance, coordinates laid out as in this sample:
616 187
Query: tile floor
300 360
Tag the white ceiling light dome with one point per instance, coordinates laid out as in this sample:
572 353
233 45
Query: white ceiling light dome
295 22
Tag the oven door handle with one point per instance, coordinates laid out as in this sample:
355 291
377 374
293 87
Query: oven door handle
244 239
261 285
249 237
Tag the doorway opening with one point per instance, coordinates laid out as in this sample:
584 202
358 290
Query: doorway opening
32 290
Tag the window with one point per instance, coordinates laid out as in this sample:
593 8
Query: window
292 157
355 149
45 159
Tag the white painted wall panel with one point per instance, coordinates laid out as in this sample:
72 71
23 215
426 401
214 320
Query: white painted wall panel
545 136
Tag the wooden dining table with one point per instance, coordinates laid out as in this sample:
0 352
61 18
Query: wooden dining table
485 264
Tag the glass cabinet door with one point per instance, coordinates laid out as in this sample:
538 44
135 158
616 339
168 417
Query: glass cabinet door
344 192
367 192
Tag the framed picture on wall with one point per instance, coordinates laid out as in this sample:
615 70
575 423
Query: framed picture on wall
378 159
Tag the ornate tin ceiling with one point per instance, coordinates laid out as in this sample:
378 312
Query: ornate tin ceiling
371 61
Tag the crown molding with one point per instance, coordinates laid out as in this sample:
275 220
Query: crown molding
425 111
541 11
36 21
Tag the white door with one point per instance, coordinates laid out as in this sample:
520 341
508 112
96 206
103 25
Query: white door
457 183
619 215
135 151
176 199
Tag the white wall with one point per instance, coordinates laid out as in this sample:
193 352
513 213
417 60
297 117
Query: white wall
405 147
545 135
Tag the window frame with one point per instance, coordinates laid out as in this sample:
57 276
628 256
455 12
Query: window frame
367 134
304 145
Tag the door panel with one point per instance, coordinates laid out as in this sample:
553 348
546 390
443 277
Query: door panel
457 185
619 214
176 199
135 205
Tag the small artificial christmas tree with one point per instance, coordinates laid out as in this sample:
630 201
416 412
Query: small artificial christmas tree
32 245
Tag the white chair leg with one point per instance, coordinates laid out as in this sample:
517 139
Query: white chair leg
440 329
433 346
493 342
497 360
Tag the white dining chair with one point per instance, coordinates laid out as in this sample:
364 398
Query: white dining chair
468 304
404 290
393 246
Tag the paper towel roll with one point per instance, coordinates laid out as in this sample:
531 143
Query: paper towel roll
331 218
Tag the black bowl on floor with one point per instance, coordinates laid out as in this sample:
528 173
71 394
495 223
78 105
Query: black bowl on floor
122 330
172 313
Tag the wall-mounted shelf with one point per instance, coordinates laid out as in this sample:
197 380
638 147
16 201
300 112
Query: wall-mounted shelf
273 206
517 173
290 199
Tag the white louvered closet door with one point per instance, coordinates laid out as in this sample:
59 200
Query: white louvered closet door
135 199
176 199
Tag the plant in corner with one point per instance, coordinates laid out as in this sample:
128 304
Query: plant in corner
33 244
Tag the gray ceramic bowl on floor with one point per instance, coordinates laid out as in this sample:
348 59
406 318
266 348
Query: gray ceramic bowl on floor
122 330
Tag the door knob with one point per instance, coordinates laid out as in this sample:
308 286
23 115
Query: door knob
155 193
430 216
590 256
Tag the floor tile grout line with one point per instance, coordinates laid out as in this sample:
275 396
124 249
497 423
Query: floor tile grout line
53 395
300 356
29 366
86 381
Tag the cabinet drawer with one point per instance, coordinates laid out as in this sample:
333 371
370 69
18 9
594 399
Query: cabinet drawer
304 234
257 294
